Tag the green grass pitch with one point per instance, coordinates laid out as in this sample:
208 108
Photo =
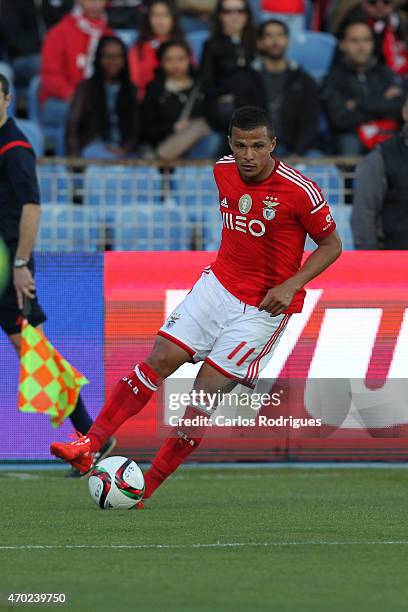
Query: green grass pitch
212 539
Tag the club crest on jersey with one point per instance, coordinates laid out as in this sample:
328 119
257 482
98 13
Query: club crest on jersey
245 204
269 213
172 320
271 201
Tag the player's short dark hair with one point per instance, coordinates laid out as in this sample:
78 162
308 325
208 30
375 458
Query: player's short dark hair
5 84
249 118
277 22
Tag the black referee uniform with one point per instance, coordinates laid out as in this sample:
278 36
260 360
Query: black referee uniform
18 186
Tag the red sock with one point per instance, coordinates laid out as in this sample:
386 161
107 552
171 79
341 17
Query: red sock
128 398
183 441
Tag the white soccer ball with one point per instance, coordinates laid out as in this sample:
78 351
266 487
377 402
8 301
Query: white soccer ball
116 482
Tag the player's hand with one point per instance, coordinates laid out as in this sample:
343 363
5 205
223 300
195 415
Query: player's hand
24 285
277 299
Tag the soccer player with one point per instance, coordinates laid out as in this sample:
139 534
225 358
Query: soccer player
235 314
19 221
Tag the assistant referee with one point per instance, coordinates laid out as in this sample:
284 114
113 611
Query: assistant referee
19 221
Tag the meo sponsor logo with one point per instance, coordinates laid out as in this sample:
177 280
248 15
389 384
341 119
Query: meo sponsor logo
240 223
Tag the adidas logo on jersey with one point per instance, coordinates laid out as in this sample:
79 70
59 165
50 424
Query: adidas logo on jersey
224 203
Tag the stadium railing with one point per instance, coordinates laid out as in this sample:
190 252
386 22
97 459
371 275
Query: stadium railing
91 206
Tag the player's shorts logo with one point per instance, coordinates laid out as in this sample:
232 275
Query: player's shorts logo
269 213
172 320
245 203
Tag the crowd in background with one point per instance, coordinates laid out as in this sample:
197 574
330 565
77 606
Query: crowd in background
121 78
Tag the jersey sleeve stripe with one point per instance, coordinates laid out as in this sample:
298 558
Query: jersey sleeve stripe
312 188
13 144
305 187
300 176
312 212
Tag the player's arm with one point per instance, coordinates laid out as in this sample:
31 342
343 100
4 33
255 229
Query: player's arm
20 163
279 298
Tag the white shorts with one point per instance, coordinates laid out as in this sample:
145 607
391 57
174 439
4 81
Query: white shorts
214 326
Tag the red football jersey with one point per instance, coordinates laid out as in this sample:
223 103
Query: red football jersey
264 229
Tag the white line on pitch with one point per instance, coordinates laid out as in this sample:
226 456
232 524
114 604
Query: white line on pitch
210 545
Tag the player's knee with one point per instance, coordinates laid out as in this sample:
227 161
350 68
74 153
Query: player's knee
161 363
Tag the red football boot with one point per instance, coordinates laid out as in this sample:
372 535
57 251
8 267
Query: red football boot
77 453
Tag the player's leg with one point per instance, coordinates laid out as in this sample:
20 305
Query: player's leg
127 399
189 332
135 389
241 351
185 438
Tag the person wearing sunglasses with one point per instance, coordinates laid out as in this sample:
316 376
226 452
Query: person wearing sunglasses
390 31
228 79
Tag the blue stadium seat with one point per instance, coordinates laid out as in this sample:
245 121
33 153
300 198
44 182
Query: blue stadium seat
108 187
313 51
151 228
70 228
128 37
52 134
328 178
342 216
55 184
196 41
34 134
194 190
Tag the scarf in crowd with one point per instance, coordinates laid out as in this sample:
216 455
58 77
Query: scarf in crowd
394 49
93 29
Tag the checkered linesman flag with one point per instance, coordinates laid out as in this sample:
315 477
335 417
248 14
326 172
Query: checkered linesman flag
48 383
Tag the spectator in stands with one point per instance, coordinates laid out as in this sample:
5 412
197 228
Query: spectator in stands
389 27
21 39
229 80
124 14
379 218
292 12
362 97
174 107
121 13
67 57
160 24
54 10
103 121
291 95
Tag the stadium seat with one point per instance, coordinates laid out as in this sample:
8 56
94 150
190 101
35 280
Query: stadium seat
196 41
34 134
52 134
313 51
108 187
55 184
128 37
342 216
150 228
70 228
194 190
